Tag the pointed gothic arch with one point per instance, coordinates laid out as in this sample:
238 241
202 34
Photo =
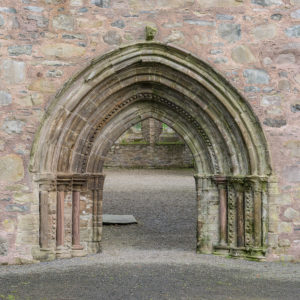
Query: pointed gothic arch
154 80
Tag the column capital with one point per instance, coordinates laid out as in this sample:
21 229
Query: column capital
221 181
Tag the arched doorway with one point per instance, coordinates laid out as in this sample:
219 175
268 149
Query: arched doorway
127 86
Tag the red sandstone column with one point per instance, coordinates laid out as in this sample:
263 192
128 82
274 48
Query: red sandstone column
76 218
60 227
221 182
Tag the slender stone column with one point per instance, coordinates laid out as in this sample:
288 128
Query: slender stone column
60 226
240 218
44 226
221 182
76 218
257 206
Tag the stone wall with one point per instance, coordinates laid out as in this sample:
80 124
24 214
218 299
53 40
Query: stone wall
254 44
150 156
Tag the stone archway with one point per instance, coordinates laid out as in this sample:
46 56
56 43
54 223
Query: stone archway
129 85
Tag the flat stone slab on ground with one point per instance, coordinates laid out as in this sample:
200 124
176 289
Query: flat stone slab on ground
119 219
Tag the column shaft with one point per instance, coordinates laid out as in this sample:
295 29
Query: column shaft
44 227
223 214
240 219
76 220
257 219
60 227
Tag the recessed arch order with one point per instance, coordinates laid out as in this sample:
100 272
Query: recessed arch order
154 80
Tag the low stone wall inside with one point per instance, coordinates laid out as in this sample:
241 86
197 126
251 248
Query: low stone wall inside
150 156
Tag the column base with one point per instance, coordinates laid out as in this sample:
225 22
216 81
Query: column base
62 252
78 253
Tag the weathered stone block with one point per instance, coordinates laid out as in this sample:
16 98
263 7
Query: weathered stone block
112 38
63 22
101 3
41 21
5 98
118 23
62 50
292 214
11 168
285 227
13 71
256 76
16 208
230 32
17 50
263 32
267 2
242 54
277 122
293 31
13 126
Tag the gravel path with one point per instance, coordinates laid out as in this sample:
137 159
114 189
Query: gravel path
154 259
162 201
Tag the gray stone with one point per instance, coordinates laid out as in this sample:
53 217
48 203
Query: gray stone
225 17
3 247
256 76
266 2
273 100
295 108
284 243
118 23
293 31
17 50
267 61
200 22
15 22
13 126
242 54
112 38
291 214
9 10
101 3
296 14
83 10
63 22
5 98
221 60
16 207
276 17
54 73
277 123
230 32
268 89
216 51
34 8
119 219
266 31
285 58
13 71
41 21
73 36
1 21
251 89
284 85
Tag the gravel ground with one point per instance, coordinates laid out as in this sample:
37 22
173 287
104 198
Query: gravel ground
154 259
